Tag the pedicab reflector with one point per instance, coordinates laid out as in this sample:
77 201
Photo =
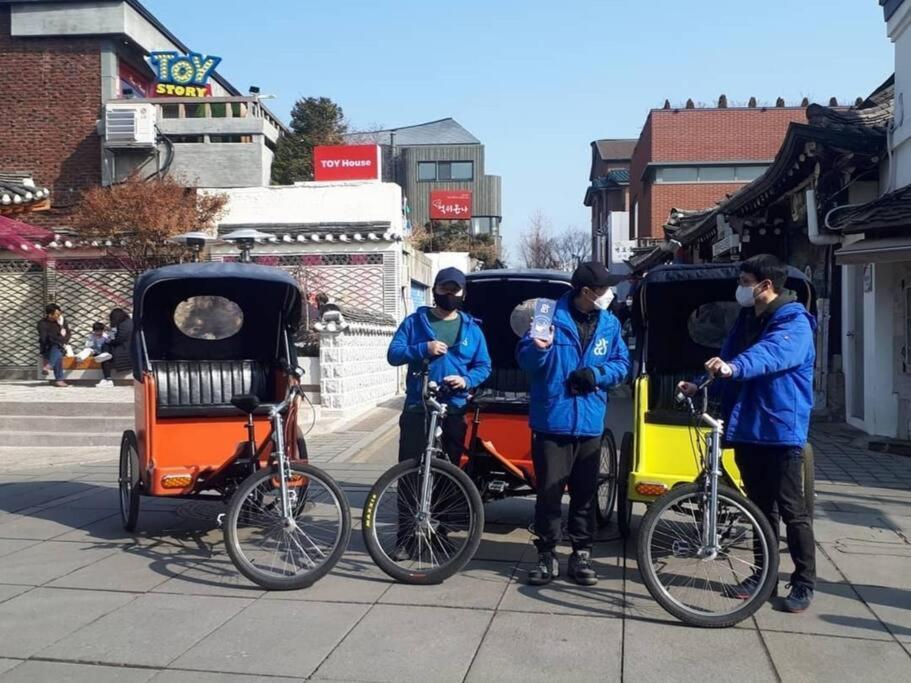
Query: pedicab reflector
644 489
176 481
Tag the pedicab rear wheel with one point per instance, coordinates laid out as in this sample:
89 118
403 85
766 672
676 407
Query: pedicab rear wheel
606 492
129 480
624 504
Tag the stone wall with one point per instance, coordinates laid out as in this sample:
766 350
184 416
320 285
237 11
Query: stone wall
354 374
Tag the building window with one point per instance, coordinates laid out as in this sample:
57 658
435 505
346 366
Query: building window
485 225
708 174
748 173
429 171
716 174
635 230
678 174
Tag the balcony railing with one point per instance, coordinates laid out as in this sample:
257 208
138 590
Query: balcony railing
202 115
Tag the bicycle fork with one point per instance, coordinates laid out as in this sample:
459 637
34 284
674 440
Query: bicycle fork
710 542
434 432
279 438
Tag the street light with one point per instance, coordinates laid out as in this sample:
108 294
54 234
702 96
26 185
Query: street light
195 240
245 239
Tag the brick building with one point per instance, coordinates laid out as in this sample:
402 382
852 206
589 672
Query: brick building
64 65
608 197
691 158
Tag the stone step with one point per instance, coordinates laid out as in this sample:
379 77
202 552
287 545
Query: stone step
14 458
67 408
26 440
100 423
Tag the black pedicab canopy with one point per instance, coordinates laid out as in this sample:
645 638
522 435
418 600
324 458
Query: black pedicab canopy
265 303
682 313
503 302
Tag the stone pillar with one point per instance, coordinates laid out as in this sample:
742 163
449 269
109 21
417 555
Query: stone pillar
354 374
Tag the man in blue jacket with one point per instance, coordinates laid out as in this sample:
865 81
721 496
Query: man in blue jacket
454 344
570 374
768 357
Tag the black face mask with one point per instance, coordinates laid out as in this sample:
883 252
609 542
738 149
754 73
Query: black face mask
448 302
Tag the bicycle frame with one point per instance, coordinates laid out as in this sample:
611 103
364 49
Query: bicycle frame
710 544
713 471
434 432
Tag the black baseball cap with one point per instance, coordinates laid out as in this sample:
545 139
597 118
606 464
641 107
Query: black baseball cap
591 274
450 275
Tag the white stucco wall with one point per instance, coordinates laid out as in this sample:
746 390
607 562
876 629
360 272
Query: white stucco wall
880 388
316 203
899 33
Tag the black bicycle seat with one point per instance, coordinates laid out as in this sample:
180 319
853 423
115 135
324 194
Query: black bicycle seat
247 403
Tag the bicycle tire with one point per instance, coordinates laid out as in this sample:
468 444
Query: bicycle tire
607 478
422 577
248 568
129 482
624 504
685 614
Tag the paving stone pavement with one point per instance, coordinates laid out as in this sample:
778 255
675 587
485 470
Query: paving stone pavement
82 600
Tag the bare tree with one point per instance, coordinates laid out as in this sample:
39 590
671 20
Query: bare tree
573 247
537 247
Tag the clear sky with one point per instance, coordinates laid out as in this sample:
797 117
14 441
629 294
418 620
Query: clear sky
535 80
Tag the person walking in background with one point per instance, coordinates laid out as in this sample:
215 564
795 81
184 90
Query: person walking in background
570 374
768 360
53 337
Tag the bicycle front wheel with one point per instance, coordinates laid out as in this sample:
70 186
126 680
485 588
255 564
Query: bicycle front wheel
280 554
422 550
707 590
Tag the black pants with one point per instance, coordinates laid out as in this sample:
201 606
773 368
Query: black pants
561 460
413 435
773 479
412 442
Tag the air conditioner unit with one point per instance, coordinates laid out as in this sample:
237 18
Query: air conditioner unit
129 124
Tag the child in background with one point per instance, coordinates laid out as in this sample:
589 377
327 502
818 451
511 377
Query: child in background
95 345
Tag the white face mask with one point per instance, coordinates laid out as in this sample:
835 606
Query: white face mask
745 296
603 302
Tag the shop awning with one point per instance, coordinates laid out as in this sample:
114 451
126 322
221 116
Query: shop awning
885 250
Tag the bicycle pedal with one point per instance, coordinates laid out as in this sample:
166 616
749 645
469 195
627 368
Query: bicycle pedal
496 486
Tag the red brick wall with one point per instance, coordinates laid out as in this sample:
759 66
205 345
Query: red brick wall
51 89
697 135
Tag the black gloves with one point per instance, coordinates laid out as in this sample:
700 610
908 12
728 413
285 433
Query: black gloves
581 381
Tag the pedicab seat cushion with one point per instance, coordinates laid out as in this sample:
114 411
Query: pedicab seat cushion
205 388
505 391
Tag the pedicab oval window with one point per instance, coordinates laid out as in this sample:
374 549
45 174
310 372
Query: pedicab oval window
208 317
709 324
520 318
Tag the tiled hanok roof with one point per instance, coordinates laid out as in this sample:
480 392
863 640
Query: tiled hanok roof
891 211
19 190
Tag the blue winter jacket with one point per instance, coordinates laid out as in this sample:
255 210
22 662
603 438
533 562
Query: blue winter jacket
467 358
553 409
769 398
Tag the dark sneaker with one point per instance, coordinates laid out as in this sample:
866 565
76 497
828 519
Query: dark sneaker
547 569
402 554
799 599
580 568
746 588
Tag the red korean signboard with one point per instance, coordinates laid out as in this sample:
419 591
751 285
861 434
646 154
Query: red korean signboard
346 162
450 205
